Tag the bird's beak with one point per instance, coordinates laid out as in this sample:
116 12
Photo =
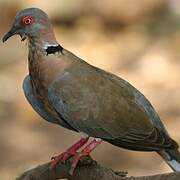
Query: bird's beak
9 34
12 32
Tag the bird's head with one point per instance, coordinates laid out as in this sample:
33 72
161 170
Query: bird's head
30 22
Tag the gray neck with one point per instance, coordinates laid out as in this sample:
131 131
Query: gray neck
38 45
42 41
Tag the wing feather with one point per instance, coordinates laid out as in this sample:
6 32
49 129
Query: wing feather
106 108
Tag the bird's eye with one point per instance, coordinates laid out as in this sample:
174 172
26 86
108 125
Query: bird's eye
27 20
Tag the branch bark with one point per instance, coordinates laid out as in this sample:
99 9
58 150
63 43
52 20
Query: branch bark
87 169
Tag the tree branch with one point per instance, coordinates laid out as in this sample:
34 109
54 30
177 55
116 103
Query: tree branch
87 169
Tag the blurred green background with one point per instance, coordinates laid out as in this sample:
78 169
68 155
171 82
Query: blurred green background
137 40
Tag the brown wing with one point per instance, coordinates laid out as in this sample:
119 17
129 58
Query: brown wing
154 142
92 103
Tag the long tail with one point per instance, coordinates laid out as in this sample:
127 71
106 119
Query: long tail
172 158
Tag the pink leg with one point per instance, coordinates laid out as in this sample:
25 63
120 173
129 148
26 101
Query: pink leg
68 153
84 152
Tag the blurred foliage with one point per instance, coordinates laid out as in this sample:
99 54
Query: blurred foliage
137 40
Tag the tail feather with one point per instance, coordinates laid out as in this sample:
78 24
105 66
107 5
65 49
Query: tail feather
172 158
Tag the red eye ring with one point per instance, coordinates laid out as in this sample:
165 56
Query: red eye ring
27 20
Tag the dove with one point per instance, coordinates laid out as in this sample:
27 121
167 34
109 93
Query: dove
65 90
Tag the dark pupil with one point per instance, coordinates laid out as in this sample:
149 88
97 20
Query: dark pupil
27 21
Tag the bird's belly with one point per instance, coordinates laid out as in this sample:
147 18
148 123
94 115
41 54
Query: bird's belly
41 91
41 94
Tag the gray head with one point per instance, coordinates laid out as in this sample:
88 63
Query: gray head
30 22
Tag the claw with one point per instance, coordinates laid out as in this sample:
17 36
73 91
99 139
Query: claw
84 152
73 151
67 154
76 159
61 158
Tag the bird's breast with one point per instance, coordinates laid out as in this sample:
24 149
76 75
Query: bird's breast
40 86
43 71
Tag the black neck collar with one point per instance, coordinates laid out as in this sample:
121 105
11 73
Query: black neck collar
54 49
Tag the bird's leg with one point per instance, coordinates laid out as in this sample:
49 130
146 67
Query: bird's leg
69 152
84 152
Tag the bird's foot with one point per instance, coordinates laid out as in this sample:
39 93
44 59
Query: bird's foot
68 153
84 152
61 158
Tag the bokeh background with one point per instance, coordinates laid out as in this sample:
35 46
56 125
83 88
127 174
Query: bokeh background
137 40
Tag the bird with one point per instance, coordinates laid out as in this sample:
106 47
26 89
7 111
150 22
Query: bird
66 90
